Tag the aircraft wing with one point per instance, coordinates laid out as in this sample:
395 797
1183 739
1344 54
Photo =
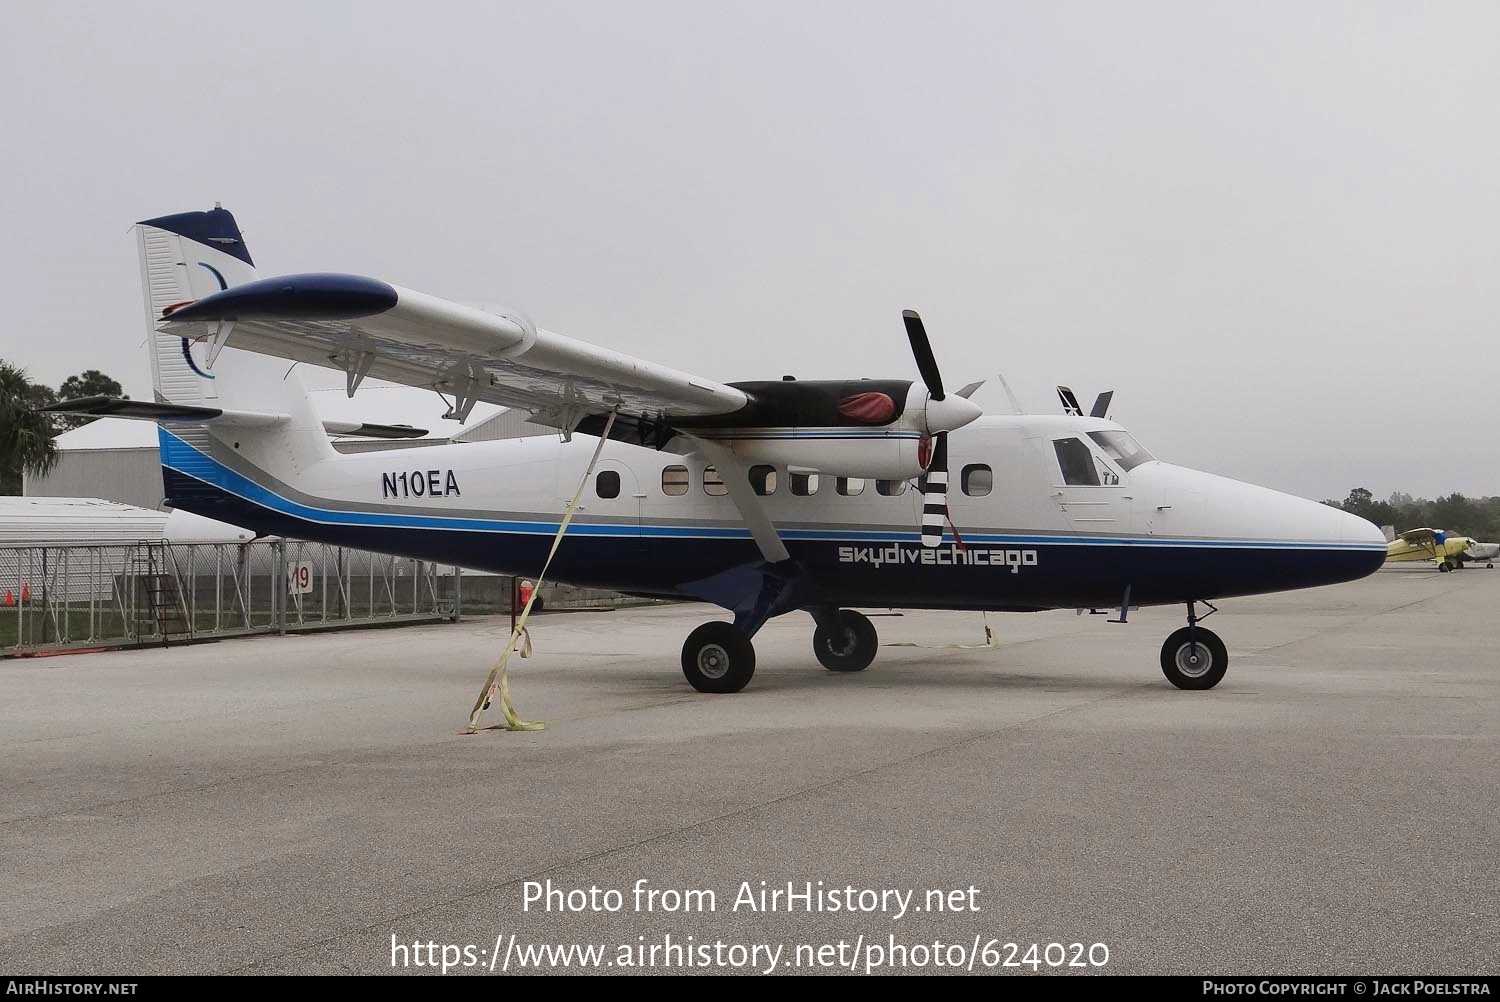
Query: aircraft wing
1418 537
366 327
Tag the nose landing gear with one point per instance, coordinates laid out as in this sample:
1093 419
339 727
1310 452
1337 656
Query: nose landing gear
1193 657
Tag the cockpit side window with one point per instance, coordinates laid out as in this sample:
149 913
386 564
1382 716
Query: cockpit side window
1077 462
1122 447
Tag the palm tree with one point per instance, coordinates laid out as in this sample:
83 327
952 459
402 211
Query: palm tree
25 434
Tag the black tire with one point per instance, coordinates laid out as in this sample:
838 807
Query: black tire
1190 667
851 644
718 658
1444 567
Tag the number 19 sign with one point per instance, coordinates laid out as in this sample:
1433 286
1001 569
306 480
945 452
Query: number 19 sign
299 578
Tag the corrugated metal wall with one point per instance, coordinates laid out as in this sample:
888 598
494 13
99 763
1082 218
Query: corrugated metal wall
129 476
513 423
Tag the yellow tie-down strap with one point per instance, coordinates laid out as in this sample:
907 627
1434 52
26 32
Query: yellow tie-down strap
498 683
990 642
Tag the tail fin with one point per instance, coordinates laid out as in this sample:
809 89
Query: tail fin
185 257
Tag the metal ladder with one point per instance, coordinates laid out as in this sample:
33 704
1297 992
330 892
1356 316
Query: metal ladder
159 608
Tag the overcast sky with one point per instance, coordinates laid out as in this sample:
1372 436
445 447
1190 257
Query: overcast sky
1270 227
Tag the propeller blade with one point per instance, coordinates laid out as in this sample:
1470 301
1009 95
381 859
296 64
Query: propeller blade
1069 402
968 391
1015 403
1101 404
921 348
935 487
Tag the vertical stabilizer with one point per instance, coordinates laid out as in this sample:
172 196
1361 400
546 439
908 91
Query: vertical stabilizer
190 256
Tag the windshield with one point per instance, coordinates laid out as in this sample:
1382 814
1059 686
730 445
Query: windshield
1122 448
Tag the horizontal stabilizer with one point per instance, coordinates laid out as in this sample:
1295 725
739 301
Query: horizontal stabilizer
140 410
145 410
366 430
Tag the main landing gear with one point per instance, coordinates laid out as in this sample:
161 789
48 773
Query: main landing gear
1193 657
720 658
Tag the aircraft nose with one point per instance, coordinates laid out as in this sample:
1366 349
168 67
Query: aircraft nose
1354 529
950 413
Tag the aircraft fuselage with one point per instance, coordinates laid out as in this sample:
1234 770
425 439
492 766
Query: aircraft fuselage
1045 517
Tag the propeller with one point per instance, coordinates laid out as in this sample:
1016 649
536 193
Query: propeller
1073 408
927 365
944 413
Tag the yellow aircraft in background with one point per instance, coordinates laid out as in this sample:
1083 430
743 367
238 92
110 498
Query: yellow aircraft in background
1438 545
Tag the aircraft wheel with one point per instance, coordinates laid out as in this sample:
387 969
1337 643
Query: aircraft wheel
1194 666
718 658
1490 565
850 645
1444 567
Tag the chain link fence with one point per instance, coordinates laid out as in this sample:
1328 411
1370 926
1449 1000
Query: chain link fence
109 595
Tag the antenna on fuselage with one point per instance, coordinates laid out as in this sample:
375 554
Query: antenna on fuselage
1014 403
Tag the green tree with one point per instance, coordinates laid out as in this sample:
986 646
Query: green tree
1455 513
1362 503
89 383
26 443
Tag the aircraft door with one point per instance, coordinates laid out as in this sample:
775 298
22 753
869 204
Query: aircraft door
613 497
1088 489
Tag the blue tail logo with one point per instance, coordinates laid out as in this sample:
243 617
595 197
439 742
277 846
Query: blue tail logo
187 354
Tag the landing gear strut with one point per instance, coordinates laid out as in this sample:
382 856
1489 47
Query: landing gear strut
845 640
718 657
1193 657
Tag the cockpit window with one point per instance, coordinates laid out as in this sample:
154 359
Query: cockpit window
1122 448
1077 462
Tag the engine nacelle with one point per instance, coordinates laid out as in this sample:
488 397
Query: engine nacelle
873 454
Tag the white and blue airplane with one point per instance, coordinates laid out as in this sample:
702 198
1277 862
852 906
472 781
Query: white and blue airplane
761 497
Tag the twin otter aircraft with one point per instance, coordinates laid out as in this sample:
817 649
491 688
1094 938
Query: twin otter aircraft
761 497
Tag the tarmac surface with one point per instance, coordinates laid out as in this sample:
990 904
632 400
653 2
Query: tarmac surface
299 804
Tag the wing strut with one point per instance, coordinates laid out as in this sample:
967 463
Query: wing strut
736 477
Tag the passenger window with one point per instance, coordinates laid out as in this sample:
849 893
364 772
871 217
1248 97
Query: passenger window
763 479
1077 463
977 480
674 481
803 485
713 484
890 488
607 484
849 487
